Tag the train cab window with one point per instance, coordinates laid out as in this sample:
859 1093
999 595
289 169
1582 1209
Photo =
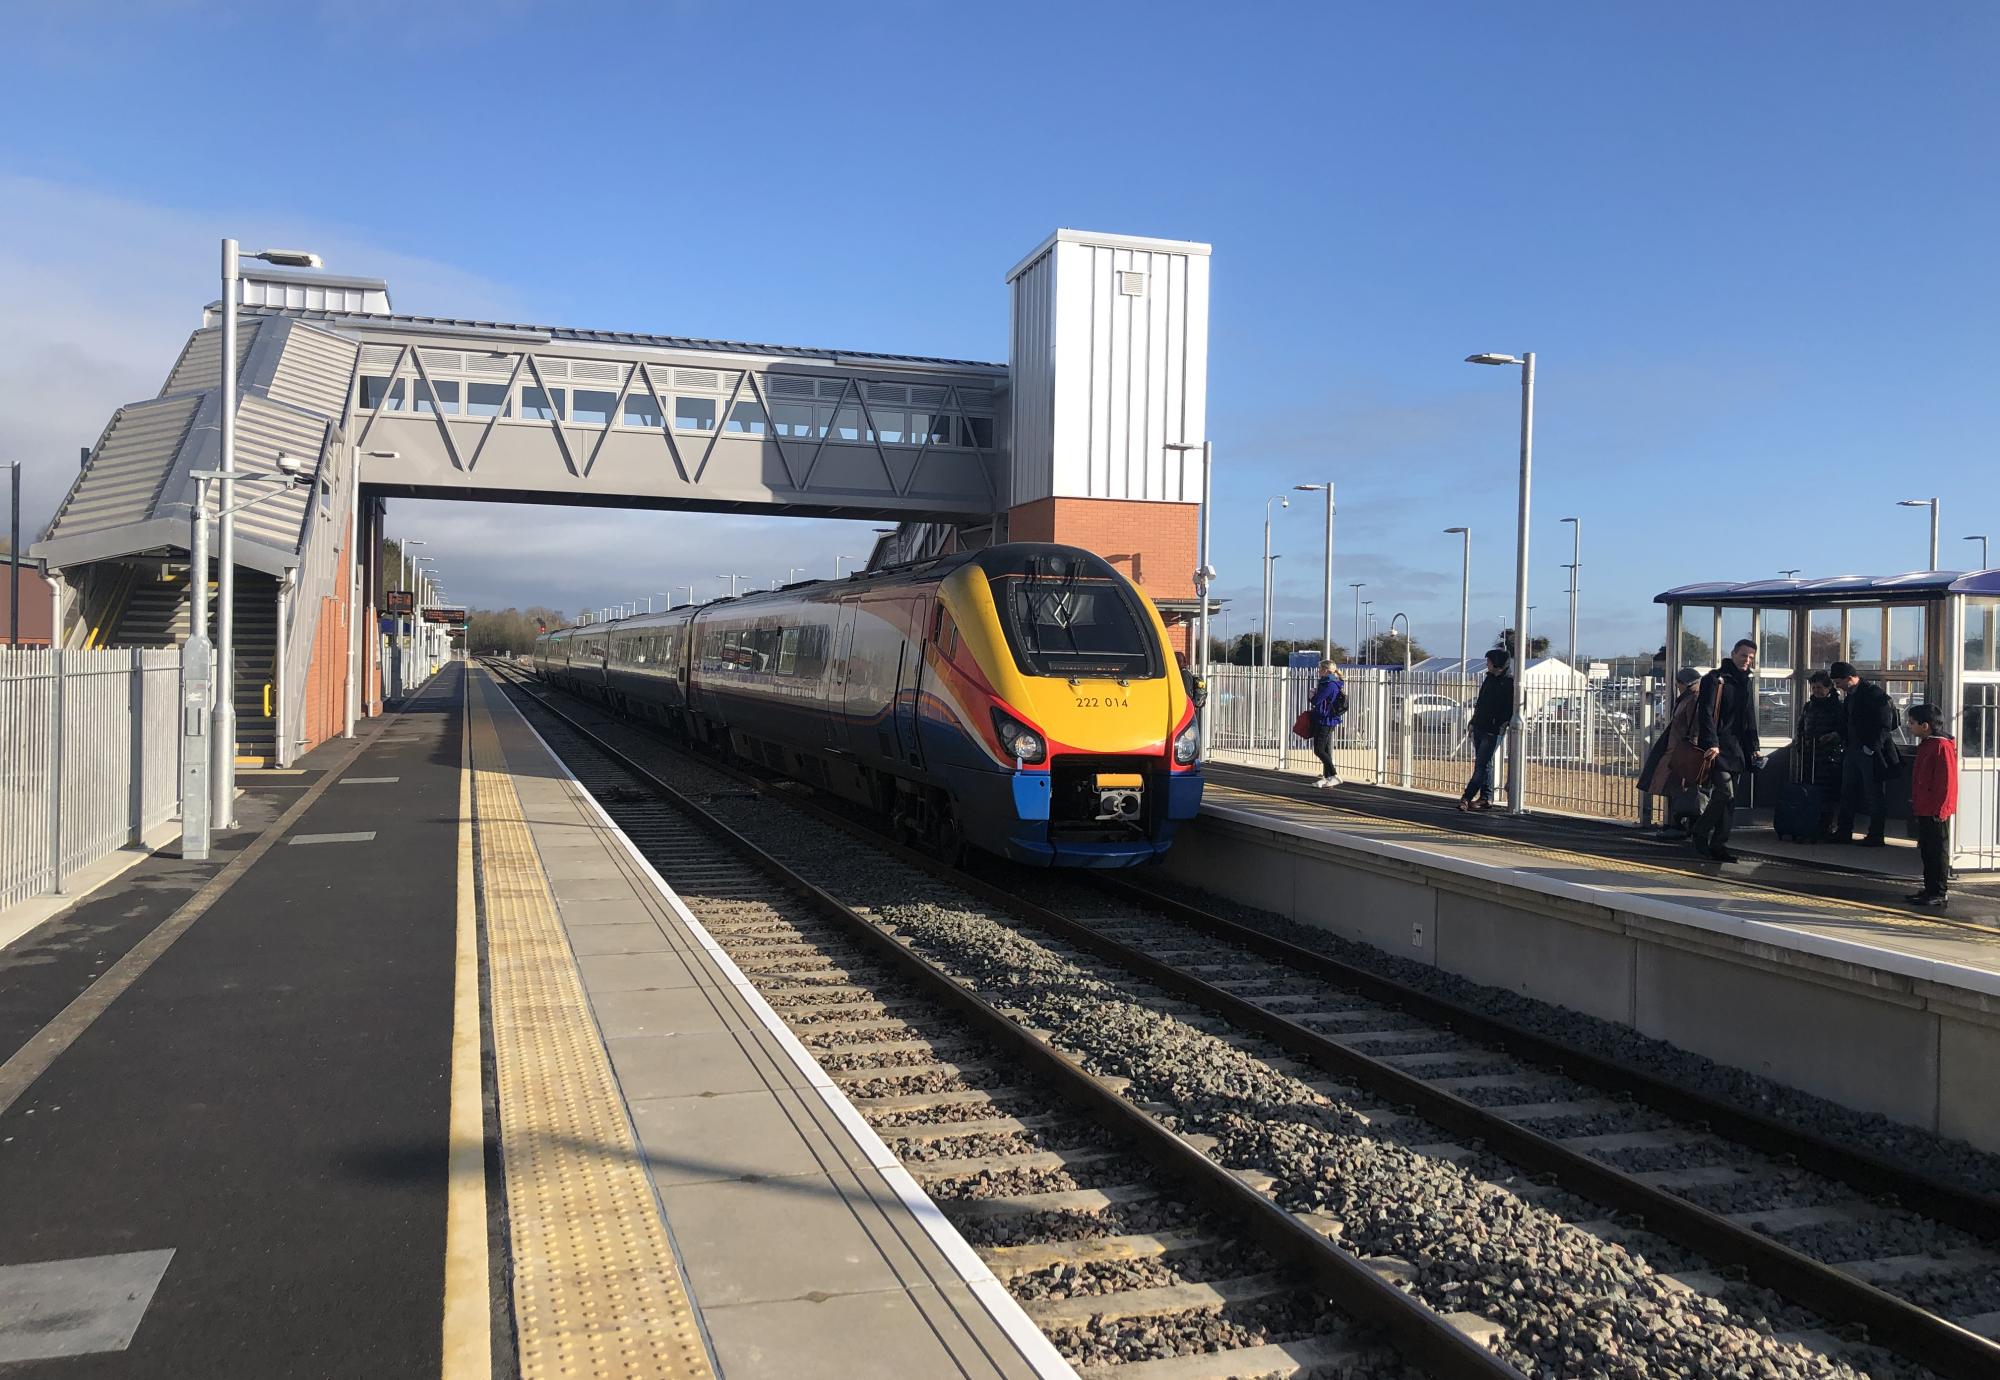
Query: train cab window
1065 620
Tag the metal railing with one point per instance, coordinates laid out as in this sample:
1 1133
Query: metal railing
89 759
1585 742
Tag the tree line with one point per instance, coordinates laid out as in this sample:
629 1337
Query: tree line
508 630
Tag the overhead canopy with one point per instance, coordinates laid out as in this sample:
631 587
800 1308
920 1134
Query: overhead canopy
1838 589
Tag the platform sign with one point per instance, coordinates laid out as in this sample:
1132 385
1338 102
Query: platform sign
399 601
450 616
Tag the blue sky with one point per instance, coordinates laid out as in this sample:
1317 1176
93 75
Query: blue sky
1752 246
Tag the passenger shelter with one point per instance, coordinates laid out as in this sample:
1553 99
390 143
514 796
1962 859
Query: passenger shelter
1927 637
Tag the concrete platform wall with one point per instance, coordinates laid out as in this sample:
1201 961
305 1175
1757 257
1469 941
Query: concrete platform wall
1908 1048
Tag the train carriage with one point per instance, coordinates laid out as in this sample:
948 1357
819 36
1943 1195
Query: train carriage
1022 699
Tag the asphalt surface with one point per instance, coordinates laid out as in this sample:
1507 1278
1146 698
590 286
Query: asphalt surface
1975 901
269 1099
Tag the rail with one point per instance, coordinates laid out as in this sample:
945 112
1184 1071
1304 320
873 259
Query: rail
1422 1335
89 762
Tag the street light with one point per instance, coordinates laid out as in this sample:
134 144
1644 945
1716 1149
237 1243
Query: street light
1575 565
1464 593
1517 748
837 560
1368 642
224 714
1357 586
1980 540
1204 572
14 556
1326 589
1282 502
1792 573
1931 504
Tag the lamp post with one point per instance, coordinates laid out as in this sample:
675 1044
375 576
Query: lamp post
1575 565
1368 610
1464 594
1791 573
839 560
1204 571
1517 748
1326 588
14 556
1931 504
224 715
1980 540
1357 586
1282 502
417 651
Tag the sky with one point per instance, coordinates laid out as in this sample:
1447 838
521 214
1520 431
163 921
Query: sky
1752 247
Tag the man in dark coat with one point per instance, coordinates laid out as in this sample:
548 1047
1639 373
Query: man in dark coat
1492 712
1726 732
1872 755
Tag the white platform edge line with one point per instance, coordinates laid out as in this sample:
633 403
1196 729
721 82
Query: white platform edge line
1000 1305
1773 932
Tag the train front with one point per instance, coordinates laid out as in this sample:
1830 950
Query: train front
1070 737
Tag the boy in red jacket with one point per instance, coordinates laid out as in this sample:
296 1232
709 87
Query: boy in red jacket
1933 798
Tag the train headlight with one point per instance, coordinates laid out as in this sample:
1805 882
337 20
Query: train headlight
1187 747
1021 742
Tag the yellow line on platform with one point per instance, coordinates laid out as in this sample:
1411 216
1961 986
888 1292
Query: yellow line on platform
597 1291
468 1313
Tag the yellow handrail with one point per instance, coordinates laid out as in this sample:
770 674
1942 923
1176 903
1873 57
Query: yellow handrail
267 699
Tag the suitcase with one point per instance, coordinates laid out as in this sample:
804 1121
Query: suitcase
1798 811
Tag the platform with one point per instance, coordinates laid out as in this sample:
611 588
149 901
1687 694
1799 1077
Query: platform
1811 976
244 1130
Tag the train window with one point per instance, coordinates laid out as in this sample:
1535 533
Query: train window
765 643
1068 625
812 653
788 653
641 409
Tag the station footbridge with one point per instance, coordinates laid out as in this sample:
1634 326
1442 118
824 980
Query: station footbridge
1083 435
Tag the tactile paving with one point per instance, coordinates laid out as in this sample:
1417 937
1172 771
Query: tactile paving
597 1290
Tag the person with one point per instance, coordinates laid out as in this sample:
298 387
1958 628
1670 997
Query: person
1823 739
1657 777
1933 799
1328 707
1491 713
1726 731
1191 681
1871 756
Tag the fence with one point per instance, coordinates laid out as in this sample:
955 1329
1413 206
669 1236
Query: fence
89 759
1585 743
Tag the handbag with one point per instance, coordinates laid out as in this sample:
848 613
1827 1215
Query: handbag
1687 764
1302 727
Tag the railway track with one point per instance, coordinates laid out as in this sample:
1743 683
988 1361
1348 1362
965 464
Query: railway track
1586 1233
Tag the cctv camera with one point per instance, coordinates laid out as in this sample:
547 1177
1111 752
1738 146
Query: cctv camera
291 465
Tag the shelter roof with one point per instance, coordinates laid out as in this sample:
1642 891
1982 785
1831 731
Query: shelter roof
1845 589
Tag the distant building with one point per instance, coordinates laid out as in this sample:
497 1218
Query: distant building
38 603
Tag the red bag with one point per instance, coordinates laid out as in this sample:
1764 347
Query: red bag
1302 726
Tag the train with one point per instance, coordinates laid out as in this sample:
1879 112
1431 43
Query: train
1022 699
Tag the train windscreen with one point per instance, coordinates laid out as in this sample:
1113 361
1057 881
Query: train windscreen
1064 622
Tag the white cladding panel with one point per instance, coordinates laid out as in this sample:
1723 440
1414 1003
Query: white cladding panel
1110 364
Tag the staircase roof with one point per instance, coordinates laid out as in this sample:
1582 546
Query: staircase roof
135 493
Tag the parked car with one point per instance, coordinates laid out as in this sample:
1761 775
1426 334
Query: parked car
1436 713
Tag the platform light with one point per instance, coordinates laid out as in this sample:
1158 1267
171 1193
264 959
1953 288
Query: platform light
1490 358
1517 750
289 258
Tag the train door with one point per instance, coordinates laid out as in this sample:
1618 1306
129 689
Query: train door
835 718
909 686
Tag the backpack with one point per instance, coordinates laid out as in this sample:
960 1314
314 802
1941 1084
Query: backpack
1340 705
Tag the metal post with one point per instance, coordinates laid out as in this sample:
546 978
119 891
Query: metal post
1575 576
61 694
223 781
197 685
14 557
1934 549
1517 750
1204 569
280 746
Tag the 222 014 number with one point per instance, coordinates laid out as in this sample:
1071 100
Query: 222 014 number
1101 702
